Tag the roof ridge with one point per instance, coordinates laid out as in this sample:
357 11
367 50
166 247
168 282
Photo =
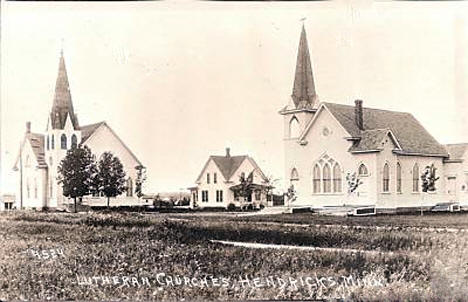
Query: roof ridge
369 108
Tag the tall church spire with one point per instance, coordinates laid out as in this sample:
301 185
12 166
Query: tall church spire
304 95
62 106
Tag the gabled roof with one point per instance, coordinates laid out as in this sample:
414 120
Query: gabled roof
62 106
371 140
304 95
36 141
228 164
456 151
88 130
409 134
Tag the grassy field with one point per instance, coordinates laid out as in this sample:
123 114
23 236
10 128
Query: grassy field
132 256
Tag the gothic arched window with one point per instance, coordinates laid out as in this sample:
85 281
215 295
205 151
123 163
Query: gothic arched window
294 129
386 179
73 141
398 177
63 141
363 170
416 178
326 179
337 178
52 145
317 179
294 174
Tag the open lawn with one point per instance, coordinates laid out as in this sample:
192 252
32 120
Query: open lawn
132 256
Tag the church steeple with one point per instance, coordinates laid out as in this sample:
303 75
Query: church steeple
62 106
304 95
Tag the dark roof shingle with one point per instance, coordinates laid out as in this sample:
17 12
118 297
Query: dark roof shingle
37 143
88 130
456 151
409 133
228 164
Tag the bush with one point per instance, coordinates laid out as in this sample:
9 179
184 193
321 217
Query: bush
231 207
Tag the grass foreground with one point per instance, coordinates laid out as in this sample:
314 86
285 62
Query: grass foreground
132 256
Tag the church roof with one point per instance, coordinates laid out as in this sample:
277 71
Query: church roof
62 105
88 130
411 136
303 94
456 151
37 144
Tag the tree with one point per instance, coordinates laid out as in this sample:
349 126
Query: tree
76 172
140 180
353 182
245 186
110 178
429 179
291 195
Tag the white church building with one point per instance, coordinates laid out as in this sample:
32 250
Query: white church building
41 153
388 151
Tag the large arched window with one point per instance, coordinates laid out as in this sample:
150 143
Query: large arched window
52 143
337 178
294 174
386 179
294 128
398 178
416 178
73 141
63 141
363 170
326 179
129 187
317 179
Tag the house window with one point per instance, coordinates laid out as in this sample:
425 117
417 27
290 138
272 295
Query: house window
63 142
52 142
362 171
398 174
48 145
219 195
73 141
294 174
204 196
207 178
317 179
215 178
337 178
294 129
129 187
326 179
258 195
416 178
386 178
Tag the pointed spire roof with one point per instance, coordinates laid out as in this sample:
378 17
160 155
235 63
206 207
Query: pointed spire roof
304 95
62 106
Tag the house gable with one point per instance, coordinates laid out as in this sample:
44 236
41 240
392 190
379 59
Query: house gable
210 167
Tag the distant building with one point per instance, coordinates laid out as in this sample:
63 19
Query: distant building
7 202
40 154
387 150
220 177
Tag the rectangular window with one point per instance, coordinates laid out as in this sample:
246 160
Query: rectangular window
204 196
215 178
219 195
207 178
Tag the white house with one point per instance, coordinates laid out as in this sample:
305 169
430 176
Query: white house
220 177
40 154
388 150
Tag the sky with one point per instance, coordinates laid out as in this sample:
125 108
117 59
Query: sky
181 80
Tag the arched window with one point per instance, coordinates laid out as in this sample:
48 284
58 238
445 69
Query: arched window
294 174
398 178
317 179
326 179
363 170
416 178
386 178
52 144
73 141
294 129
337 178
129 187
63 141
48 143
